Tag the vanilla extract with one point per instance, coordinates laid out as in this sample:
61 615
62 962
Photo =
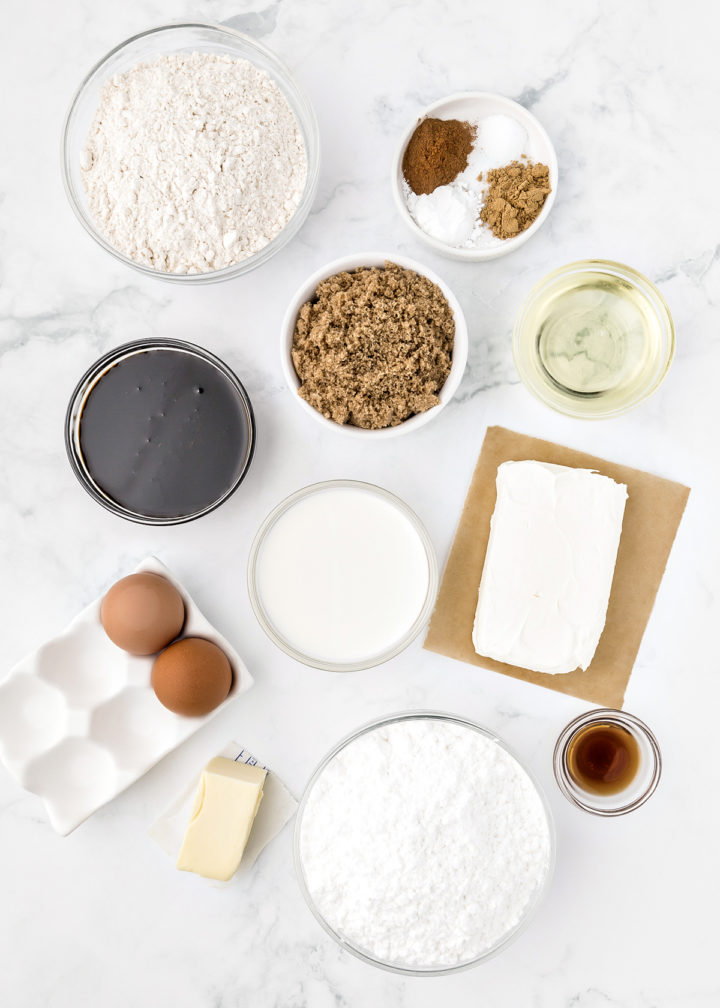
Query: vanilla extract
603 758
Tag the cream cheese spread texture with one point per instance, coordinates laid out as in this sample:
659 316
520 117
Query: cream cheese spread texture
549 566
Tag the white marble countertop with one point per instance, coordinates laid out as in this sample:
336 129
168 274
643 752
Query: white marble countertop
628 93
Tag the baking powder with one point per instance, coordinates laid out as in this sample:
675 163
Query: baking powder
423 842
194 162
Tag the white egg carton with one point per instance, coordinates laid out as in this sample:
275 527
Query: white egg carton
79 721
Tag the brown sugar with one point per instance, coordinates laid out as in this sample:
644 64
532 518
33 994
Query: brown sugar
436 154
515 197
374 347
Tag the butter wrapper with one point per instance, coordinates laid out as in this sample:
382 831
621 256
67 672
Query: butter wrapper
276 809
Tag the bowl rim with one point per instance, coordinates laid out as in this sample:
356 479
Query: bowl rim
583 799
652 295
269 627
285 80
515 110
350 263
84 387
530 911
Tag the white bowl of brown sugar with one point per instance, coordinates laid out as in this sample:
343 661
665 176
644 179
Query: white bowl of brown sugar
374 345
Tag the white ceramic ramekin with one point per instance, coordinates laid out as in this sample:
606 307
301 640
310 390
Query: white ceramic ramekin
468 106
348 263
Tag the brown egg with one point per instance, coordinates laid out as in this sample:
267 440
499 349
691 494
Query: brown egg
191 677
142 613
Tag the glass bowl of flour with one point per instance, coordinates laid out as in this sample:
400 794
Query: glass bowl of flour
190 154
423 846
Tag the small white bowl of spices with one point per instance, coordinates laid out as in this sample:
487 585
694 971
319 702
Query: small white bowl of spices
374 345
474 176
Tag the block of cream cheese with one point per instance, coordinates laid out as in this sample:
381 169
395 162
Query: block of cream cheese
549 566
226 803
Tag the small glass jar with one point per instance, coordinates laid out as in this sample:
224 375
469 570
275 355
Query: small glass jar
637 791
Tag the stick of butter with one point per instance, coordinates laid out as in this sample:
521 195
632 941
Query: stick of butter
549 566
226 803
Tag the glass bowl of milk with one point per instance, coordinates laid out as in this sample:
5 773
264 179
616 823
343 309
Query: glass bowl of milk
342 575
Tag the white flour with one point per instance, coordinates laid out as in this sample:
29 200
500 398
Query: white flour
423 842
194 162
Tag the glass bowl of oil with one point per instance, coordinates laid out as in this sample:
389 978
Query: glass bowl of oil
593 339
607 762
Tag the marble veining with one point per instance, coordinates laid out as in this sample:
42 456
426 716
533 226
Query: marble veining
628 94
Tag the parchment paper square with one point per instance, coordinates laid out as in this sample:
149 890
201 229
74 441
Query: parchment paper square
652 516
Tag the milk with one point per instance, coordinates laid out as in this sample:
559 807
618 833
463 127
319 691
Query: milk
342 575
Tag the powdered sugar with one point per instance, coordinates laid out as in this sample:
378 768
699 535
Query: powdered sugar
423 843
194 162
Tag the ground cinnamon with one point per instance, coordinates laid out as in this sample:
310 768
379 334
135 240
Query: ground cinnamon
436 154
515 197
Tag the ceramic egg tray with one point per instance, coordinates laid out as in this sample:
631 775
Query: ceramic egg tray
79 721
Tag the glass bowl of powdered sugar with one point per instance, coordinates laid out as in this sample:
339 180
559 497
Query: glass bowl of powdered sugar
190 153
423 845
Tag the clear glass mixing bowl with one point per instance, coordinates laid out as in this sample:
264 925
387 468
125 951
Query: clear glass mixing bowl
363 954
195 36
